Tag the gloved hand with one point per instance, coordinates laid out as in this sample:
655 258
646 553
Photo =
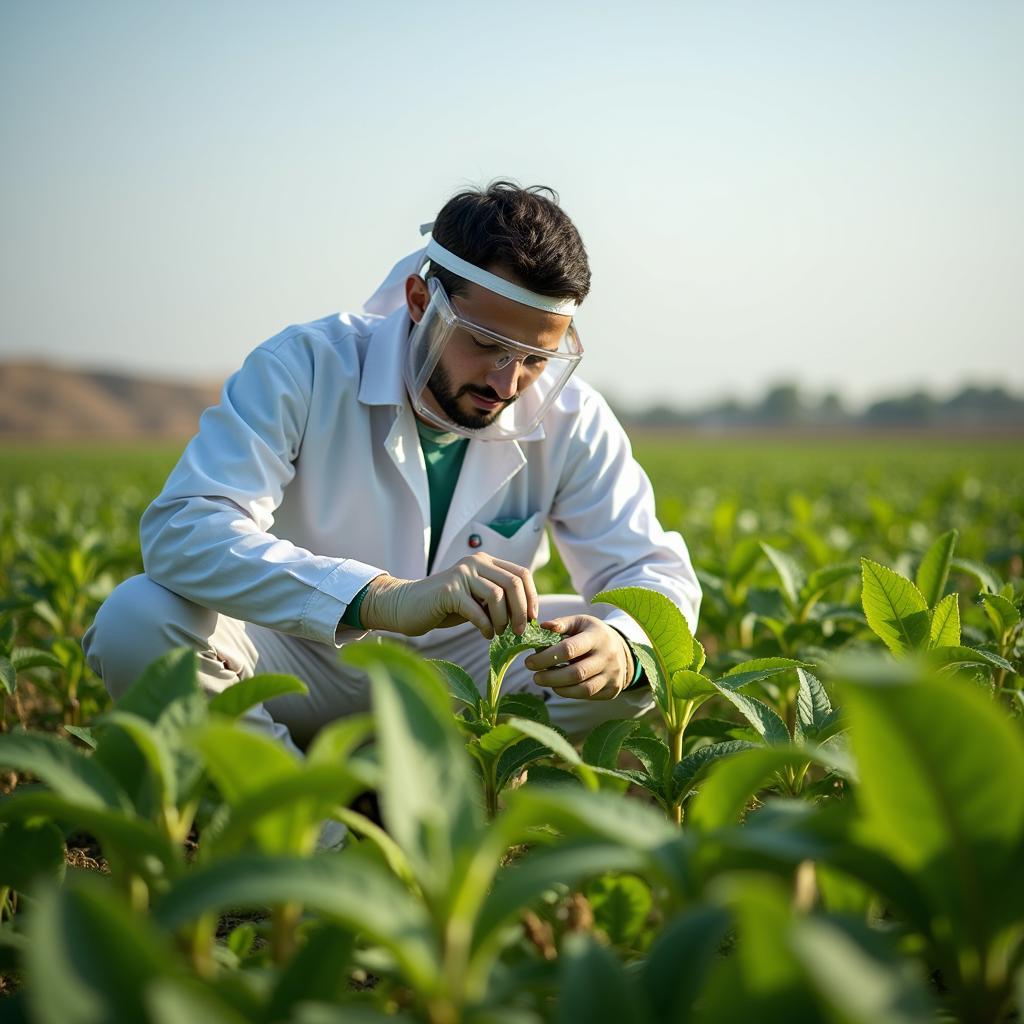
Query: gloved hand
593 660
487 591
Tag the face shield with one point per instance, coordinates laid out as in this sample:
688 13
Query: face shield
453 366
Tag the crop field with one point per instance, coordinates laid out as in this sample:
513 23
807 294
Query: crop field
823 820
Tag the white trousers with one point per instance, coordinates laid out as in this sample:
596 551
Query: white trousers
141 620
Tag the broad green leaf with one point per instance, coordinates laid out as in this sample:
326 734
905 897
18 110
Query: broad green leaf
699 656
680 960
748 672
765 981
68 772
168 687
813 708
185 1001
716 729
742 560
658 683
176 726
896 610
172 676
791 573
519 885
735 780
863 981
133 840
428 793
30 854
316 972
652 753
987 577
582 813
548 775
285 810
665 626
1001 612
517 757
154 750
500 738
821 579
338 740
345 887
594 986
764 720
558 744
24 658
243 764
942 760
962 657
602 746
945 625
82 733
689 685
933 571
620 904
90 959
694 767
459 681
6 630
8 676
247 693
524 705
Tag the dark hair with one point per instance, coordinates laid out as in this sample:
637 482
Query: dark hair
519 230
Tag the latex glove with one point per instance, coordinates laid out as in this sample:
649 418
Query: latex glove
591 662
487 591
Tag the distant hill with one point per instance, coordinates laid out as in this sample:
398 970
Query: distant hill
40 401
43 402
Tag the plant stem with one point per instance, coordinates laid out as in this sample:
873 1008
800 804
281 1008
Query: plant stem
285 919
491 788
675 736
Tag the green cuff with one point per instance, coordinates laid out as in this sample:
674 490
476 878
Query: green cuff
351 616
639 679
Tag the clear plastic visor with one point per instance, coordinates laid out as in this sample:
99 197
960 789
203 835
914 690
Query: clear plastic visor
454 365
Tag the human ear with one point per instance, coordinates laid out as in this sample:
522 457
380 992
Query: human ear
417 297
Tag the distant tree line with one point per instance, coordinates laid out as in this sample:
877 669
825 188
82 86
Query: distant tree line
786 406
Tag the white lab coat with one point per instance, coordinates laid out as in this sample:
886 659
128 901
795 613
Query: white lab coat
308 480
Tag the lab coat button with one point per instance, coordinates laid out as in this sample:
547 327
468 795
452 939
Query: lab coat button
474 540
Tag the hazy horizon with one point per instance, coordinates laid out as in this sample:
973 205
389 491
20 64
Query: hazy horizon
793 192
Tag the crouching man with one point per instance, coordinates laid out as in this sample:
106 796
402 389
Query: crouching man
395 473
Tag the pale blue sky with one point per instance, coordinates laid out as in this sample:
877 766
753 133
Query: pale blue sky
820 191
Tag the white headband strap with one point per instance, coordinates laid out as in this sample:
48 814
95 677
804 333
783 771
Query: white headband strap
436 253
390 295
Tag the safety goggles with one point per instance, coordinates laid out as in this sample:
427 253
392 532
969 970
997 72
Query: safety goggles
447 352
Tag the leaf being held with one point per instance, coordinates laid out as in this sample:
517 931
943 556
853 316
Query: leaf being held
507 645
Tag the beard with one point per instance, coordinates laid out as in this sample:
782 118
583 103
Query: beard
446 396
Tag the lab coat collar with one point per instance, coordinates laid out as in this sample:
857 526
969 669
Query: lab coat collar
382 382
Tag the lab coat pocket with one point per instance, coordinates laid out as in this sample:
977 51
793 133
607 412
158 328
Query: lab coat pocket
528 546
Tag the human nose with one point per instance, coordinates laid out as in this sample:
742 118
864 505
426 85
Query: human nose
505 381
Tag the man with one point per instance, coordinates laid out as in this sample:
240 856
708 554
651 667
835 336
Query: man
394 474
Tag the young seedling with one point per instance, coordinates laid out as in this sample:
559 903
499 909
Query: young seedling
508 732
914 618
